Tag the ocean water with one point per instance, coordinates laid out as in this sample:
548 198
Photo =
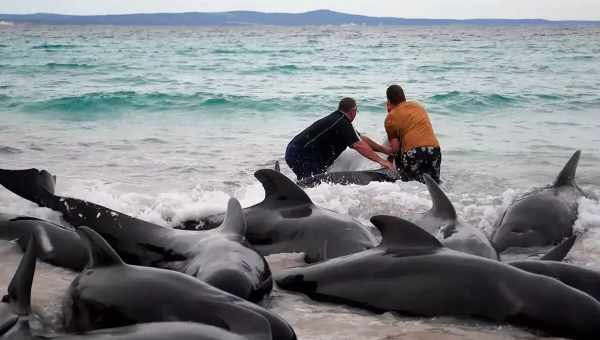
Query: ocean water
167 123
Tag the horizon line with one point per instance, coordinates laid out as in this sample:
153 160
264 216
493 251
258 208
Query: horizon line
311 11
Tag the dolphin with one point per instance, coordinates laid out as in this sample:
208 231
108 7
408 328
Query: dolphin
441 221
359 177
288 221
221 257
411 272
578 277
65 248
541 217
15 311
110 293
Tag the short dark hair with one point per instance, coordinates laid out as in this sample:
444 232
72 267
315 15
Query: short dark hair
395 94
346 104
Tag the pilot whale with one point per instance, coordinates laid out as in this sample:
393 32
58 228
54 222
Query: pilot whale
541 217
15 311
220 257
65 248
442 222
412 272
288 221
110 293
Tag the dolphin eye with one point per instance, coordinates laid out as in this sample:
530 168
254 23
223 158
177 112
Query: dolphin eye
281 198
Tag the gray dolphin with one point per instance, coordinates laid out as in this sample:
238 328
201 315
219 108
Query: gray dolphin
110 293
220 257
578 277
359 177
411 272
542 217
441 221
65 248
288 221
15 310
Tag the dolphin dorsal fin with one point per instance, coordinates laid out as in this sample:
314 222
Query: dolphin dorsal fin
100 253
442 207
19 290
401 234
559 252
280 188
234 222
567 174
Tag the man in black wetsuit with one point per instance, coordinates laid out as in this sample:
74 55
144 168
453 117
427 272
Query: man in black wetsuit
313 150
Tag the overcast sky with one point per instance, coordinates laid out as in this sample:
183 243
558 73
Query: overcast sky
460 9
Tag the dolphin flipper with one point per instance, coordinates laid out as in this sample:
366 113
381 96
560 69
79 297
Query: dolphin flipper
31 184
559 252
19 290
567 174
101 254
278 187
442 207
399 234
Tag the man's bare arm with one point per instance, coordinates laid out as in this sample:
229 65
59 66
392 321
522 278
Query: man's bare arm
376 146
364 149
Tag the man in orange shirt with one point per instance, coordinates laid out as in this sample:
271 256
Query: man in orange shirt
411 138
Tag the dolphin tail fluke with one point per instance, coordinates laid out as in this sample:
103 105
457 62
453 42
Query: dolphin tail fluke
442 207
559 252
19 290
567 175
280 188
235 222
100 253
32 184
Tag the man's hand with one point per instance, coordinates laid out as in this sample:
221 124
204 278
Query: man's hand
388 165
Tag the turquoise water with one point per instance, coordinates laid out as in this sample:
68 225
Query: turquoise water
166 123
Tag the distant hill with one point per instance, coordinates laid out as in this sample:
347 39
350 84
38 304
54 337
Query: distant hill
320 17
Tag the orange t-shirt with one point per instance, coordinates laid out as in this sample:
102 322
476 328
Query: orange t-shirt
410 123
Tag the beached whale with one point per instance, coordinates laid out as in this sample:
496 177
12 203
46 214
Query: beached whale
287 221
359 177
110 293
441 221
578 277
412 272
15 311
220 257
65 248
542 217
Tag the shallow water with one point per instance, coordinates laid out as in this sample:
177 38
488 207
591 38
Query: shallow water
166 123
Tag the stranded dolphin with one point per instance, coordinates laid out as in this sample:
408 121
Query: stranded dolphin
65 248
441 221
110 293
411 272
15 310
220 257
541 217
288 221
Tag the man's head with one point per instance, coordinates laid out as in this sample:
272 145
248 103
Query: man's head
348 106
395 95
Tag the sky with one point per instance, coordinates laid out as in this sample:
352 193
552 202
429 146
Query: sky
452 9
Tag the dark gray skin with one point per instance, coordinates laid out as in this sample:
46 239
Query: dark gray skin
411 272
65 248
110 293
288 221
541 217
441 221
586 280
220 257
15 311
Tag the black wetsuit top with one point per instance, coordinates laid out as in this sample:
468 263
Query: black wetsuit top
313 150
